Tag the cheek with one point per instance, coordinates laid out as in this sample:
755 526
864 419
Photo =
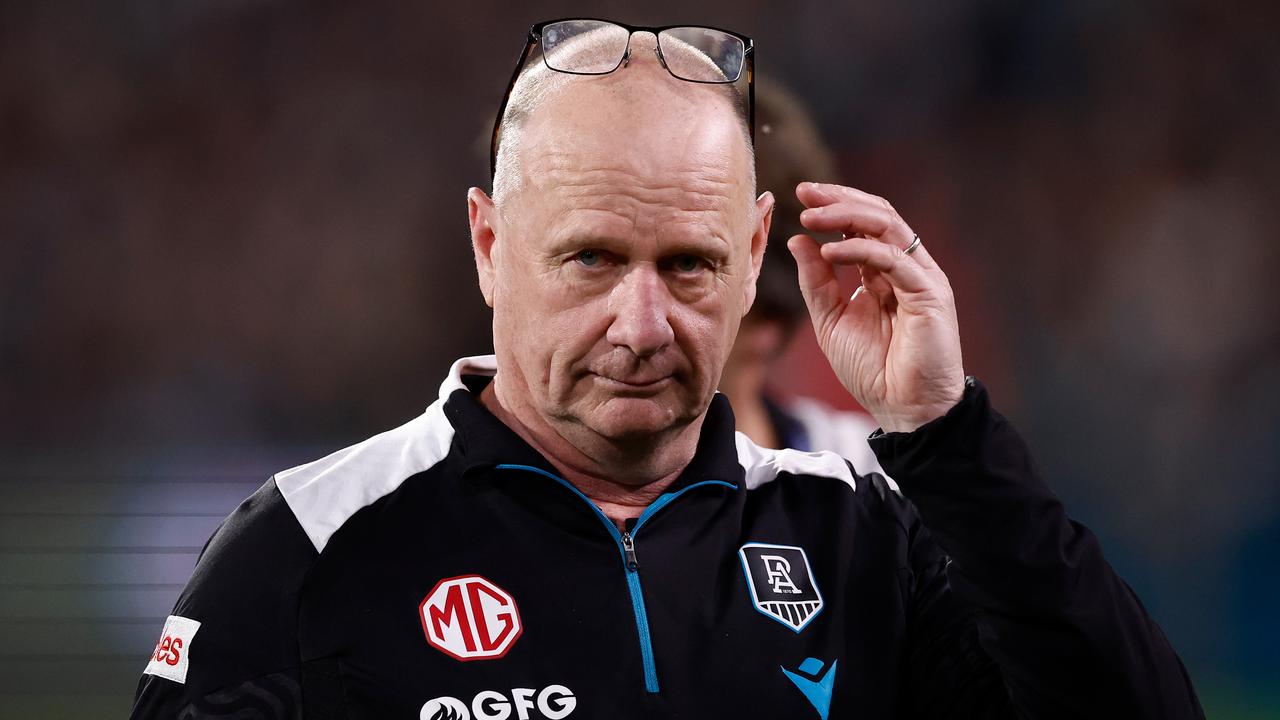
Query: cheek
705 332
572 331
519 313
546 328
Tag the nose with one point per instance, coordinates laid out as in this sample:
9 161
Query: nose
641 305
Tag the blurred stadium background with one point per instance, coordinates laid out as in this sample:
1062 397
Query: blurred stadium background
233 238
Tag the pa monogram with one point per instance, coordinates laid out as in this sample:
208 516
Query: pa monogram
781 583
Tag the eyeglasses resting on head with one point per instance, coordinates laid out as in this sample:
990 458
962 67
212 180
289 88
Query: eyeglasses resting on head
589 46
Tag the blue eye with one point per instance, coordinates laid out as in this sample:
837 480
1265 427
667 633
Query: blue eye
687 263
589 258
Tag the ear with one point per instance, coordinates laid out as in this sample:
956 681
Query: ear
483 215
759 240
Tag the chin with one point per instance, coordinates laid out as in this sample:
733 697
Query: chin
624 418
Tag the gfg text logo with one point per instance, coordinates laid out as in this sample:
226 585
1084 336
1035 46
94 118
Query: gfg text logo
554 702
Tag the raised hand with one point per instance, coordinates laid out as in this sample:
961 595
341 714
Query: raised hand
895 344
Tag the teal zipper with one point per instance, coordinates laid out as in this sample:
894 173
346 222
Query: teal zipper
627 549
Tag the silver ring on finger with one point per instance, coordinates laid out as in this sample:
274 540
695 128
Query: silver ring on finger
915 243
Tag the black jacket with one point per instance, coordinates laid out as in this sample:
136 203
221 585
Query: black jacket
444 570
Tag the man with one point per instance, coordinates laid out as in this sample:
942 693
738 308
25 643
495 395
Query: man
574 530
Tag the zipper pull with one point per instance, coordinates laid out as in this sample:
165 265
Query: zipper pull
629 550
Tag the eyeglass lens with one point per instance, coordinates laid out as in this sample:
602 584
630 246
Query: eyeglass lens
724 50
596 47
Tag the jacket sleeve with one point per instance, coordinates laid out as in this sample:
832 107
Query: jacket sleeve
1022 615
230 647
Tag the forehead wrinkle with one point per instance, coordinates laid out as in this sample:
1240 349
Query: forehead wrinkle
574 222
698 191
676 209
676 129
683 228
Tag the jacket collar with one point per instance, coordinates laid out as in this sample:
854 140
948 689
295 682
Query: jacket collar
485 442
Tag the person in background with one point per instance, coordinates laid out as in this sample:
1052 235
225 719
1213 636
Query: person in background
789 150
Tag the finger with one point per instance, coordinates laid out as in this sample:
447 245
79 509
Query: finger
898 233
902 272
818 194
815 195
877 285
865 303
854 218
818 282
921 255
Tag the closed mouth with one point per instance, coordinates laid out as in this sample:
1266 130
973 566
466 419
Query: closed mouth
638 384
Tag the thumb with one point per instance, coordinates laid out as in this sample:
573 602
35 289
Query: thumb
818 282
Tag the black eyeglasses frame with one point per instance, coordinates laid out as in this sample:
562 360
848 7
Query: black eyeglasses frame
535 38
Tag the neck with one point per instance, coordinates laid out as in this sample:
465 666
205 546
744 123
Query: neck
622 479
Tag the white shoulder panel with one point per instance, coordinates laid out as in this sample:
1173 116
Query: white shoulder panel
842 432
762 465
324 494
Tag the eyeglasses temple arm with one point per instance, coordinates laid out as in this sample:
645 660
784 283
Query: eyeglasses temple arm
506 97
751 96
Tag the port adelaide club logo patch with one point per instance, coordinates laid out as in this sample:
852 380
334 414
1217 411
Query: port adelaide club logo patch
781 583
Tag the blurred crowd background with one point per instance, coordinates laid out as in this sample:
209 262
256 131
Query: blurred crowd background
233 238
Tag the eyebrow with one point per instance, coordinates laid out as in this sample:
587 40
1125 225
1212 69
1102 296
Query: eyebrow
710 245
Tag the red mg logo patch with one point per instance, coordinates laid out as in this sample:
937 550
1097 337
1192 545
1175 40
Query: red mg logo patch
470 618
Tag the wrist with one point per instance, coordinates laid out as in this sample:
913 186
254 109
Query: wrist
917 416
911 423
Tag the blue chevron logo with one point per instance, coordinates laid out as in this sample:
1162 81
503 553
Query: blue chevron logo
818 690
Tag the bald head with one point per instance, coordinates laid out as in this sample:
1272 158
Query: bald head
639 110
